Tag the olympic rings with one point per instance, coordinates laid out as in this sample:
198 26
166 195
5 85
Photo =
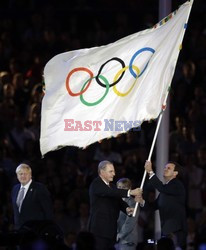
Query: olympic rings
118 73
134 71
101 99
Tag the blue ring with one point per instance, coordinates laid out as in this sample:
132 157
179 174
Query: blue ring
133 58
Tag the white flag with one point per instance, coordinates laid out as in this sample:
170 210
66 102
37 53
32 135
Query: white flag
96 93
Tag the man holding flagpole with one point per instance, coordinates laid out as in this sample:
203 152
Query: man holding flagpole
170 202
105 204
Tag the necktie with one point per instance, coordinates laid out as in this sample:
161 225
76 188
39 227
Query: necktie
20 198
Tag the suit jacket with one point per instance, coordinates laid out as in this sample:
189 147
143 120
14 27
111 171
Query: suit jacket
171 205
105 205
36 205
127 226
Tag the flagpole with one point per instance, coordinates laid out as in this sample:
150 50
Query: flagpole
152 147
159 120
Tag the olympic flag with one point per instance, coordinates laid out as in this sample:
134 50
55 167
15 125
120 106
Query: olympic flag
100 92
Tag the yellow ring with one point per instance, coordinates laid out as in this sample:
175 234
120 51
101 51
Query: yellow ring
116 77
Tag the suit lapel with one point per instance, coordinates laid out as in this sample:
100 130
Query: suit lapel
16 191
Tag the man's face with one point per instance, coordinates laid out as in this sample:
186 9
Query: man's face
24 176
108 173
169 171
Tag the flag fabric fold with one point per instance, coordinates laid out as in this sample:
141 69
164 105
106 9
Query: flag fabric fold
100 92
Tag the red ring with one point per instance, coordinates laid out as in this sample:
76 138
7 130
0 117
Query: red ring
69 75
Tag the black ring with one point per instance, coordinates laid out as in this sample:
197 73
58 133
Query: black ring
99 72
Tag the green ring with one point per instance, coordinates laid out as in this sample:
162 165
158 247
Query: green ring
102 98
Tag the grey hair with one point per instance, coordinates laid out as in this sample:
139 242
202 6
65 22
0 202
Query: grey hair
126 182
102 165
23 166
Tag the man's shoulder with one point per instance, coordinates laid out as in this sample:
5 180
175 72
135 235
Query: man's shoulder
16 187
97 184
178 183
96 180
38 185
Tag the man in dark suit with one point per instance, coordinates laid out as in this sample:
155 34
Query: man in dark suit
170 202
31 200
105 205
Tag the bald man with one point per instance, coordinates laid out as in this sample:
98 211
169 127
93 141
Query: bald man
105 204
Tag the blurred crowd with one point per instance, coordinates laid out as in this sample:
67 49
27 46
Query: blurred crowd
31 33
